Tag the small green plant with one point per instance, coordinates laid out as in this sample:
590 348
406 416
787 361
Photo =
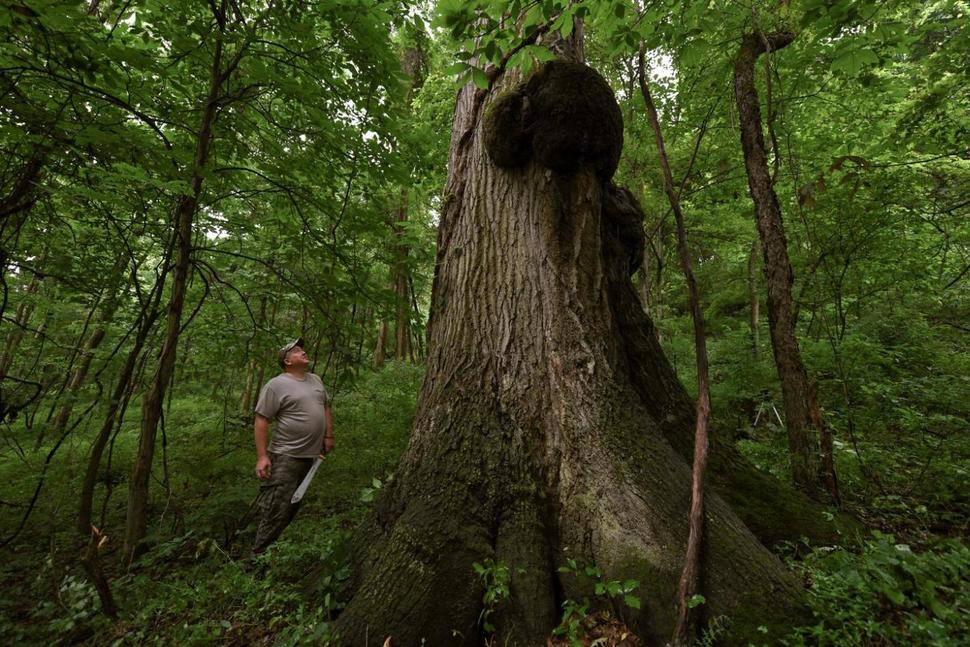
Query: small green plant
887 594
714 630
78 605
572 626
573 618
495 578
368 494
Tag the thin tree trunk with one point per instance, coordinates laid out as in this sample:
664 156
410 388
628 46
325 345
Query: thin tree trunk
402 301
754 300
803 444
91 562
685 630
246 399
137 514
94 341
245 402
379 352
651 279
14 208
21 320
829 477
143 324
413 64
418 346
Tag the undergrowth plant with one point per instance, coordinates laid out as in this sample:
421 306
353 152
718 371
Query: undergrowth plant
495 577
887 594
572 626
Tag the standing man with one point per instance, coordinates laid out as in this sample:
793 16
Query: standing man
299 404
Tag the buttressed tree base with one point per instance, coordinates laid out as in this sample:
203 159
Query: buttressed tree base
543 422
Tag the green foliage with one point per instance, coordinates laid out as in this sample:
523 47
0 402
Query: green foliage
887 594
320 140
573 624
191 587
77 605
495 577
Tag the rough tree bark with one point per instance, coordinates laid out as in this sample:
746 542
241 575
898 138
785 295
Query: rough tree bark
540 428
803 445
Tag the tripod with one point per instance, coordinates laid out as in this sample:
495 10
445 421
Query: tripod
763 407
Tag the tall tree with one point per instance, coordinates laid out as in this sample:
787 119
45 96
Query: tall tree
183 215
539 427
803 442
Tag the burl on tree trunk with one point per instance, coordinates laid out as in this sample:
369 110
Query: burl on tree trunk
546 417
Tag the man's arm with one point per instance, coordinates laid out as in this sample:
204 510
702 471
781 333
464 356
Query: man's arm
328 431
261 436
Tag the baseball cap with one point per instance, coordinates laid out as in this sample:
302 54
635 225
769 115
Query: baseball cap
286 349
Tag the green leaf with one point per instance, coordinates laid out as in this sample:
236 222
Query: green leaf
853 60
479 78
456 68
567 26
693 52
632 601
695 601
540 53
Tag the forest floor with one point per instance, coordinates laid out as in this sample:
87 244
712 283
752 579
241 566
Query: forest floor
907 583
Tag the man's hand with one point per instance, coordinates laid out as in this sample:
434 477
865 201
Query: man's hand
263 467
327 444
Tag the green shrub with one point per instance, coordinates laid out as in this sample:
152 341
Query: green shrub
887 594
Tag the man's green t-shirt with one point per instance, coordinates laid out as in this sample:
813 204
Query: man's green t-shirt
299 408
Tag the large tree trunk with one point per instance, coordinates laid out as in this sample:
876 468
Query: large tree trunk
540 429
802 438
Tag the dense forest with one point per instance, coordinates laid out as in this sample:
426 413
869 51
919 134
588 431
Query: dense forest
643 322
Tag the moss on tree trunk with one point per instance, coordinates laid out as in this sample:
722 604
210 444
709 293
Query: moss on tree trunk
549 426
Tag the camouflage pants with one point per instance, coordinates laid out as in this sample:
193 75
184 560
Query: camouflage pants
275 510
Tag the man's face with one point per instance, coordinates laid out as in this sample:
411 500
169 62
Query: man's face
296 357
